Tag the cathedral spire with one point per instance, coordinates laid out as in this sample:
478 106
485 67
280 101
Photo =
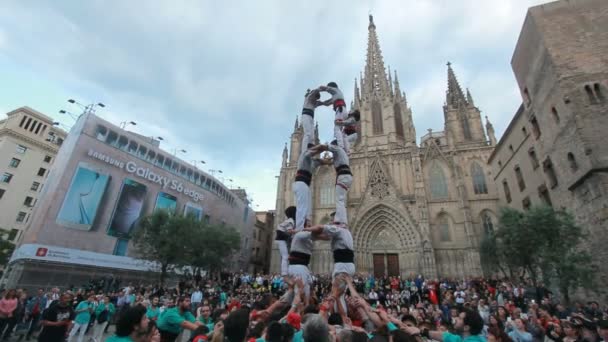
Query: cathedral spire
490 131
295 127
397 88
357 97
375 75
390 81
284 163
454 95
470 98
317 141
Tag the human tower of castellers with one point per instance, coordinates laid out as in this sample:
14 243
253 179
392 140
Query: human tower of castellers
298 227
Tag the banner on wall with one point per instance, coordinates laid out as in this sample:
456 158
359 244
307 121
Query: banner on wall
79 257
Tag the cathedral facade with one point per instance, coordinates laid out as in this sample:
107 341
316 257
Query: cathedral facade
412 208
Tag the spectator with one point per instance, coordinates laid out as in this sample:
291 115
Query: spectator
8 304
57 319
33 311
173 321
235 325
133 325
315 329
83 316
103 314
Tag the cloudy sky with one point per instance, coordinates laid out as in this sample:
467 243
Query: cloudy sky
224 80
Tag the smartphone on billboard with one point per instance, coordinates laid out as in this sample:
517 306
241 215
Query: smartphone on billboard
82 200
195 210
128 209
165 201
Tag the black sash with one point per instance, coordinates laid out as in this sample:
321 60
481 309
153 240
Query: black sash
307 111
343 170
299 258
303 176
344 255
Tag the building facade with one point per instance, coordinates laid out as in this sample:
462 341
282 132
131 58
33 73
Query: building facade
103 181
554 150
263 236
29 142
413 209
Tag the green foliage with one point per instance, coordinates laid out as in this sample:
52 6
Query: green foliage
174 241
6 250
542 242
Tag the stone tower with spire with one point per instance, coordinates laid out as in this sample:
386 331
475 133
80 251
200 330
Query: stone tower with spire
413 209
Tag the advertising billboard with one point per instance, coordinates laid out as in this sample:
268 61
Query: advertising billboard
83 197
192 209
165 201
128 209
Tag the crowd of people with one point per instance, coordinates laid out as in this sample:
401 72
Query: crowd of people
242 307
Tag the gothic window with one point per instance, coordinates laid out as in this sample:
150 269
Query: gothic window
505 187
327 190
535 127
572 162
377 117
550 172
555 114
543 193
533 157
466 130
379 183
520 178
598 91
444 228
590 94
488 225
438 182
398 120
479 179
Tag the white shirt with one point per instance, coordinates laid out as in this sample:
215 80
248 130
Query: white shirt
197 297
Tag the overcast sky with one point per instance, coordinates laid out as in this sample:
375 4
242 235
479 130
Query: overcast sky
224 80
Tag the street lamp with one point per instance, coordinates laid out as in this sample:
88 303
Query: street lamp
73 116
175 151
124 124
90 108
195 163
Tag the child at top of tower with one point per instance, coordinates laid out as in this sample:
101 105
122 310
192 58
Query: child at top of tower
339 105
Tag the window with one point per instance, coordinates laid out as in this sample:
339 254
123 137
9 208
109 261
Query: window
21 217
47 159
59 141
550 172
29 201
533 158
377 117
505 187
21 149
112 138
520 178
22 121
132 147
543 193
525 203
14 162
590 94
41 172
29 120
554 114
466 130
598 91
398 120
101 133
33 125
535 127
2 191
444 228
6 177
524 131
439 185
122 143
13 234
486 221
479 179
511 148
121 247
527 97
572 162
35 186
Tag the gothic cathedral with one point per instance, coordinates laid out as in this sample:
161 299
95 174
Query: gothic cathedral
413 209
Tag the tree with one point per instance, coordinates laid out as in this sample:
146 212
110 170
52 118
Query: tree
164 238
542 242
212 245
6 250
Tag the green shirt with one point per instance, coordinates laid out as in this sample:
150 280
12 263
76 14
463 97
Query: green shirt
102 306
85 316
297 337
448 337
119 339
152 312
208 322
171 320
